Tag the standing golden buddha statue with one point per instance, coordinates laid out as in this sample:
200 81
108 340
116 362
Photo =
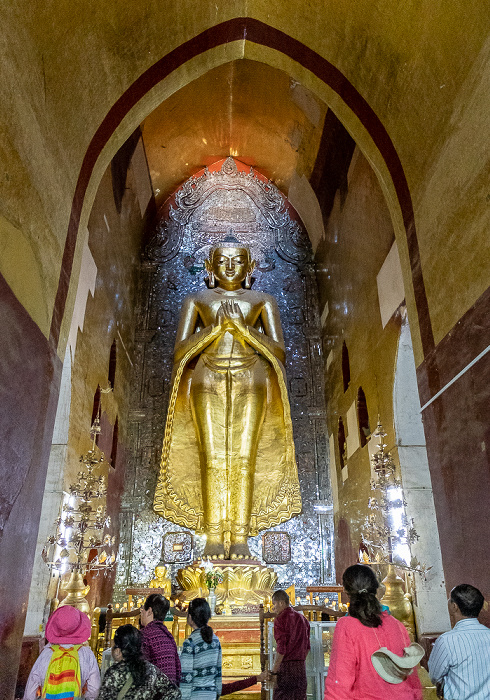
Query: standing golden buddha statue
228 466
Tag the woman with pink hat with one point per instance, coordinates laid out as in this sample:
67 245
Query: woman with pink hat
65 668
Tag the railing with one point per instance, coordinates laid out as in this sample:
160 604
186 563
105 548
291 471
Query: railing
325 589
123 617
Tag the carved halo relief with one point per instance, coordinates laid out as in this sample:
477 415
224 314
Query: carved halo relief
203 212
210 207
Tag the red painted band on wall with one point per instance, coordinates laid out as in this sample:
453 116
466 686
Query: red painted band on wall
259 33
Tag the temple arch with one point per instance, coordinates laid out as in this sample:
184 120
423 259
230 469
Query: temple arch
159 81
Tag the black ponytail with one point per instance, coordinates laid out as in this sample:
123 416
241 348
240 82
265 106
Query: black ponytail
207 634
128 639
361 584
200 612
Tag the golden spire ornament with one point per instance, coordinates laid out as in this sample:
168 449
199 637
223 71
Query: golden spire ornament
388 529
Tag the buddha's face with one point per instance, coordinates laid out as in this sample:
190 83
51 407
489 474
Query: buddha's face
230 266
160 571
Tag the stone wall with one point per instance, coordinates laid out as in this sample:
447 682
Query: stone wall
103 319
364 311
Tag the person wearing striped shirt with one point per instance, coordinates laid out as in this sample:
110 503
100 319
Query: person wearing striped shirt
201 656
460 658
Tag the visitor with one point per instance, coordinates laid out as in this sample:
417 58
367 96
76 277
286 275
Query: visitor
158 645
351 673
292 635
131 677
460 659
64 665
201 656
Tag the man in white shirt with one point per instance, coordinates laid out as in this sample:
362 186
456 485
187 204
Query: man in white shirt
460 659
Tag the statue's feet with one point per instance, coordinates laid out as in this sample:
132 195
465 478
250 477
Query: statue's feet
215 550
239 550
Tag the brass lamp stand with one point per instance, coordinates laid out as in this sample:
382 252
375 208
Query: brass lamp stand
76 591
382 534
398 601
80 529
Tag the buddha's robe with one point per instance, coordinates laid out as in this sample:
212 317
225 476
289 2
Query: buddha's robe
225 392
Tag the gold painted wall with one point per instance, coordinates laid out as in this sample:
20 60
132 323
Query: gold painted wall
241 107
358 238
109 316
115 243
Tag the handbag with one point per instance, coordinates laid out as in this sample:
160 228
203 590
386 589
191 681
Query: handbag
440 690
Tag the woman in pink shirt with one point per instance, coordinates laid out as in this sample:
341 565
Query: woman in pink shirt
351 674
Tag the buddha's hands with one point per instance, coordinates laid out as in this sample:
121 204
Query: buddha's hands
230 318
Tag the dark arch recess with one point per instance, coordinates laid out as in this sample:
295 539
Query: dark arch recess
363 417
259 33
342 443
345 366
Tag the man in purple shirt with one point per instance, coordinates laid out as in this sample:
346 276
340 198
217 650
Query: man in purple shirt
292 635
158 645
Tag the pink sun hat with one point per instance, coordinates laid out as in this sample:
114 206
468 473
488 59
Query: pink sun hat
67 625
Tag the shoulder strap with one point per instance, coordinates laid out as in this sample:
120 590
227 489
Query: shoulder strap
127 685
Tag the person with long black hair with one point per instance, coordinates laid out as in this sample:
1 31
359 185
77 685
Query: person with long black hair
201 656
366 629
131 677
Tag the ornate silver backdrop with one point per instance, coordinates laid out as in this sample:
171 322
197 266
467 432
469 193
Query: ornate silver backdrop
204 211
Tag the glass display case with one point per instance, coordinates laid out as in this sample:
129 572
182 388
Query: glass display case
317 661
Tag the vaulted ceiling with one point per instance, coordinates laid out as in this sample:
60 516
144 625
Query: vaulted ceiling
242 108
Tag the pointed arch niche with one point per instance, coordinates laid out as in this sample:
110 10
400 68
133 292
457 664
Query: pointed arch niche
250 38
